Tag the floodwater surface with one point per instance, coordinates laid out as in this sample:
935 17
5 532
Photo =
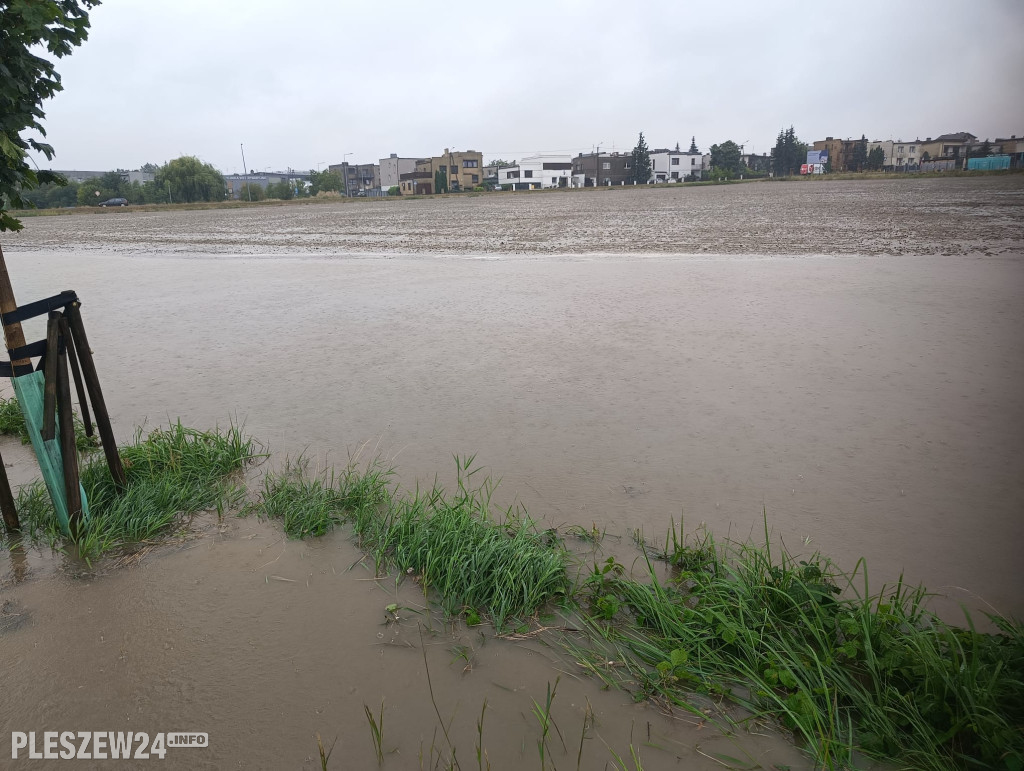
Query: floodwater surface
863 402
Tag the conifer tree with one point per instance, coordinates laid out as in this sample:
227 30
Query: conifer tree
641 162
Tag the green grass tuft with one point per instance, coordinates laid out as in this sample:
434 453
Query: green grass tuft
848 671
172 472
450 543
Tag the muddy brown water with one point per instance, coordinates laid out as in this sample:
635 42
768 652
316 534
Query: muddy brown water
843 358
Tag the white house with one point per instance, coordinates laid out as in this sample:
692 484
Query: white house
676 165
538 171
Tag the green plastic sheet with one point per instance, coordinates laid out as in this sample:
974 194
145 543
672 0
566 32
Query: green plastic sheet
29 390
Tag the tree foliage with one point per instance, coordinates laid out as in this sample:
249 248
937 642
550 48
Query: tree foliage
441 180
189 179
641 166
726 157
284 190
876 158
26 81
789 154
859 156
326 181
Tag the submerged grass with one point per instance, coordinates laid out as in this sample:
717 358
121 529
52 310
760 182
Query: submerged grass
171 472
451 543
848 671
12 422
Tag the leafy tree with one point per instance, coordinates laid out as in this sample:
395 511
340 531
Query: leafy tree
926 156
641 166
149 168
284 190
876 158
985 149
789 154
257 192
693 145
326 181
498 163
726 157
859 156
189 179
26 81
441 180
394 190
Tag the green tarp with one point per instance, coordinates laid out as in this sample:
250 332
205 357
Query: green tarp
29 390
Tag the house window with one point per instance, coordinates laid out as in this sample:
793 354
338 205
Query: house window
627 164
475 178
554 180
911 149
693 161
469 164
606 165
675 175
675 161
510 175
528 174
454 170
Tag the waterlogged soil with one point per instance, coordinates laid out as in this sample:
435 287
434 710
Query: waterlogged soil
959 216
842 360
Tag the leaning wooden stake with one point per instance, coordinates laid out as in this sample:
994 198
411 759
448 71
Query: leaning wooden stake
68 450
92 384
76 373
10 513
15 338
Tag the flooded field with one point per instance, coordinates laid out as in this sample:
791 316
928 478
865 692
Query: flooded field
845 359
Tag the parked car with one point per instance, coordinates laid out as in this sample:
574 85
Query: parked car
114 202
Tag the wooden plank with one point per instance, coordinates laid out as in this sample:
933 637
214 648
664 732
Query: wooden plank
50 376
68 449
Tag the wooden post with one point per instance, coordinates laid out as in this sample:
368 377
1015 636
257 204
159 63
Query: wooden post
92 383
68 450
50 376
14 338
76 373
10 513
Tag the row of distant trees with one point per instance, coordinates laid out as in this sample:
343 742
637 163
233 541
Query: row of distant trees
183 180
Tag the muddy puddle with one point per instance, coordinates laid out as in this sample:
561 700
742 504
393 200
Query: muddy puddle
868 405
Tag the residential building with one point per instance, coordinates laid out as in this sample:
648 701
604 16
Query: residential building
840 151
359 179
602 169
537 171
946 146
1014 147
392 168
677 165
755 162
463 170
906 156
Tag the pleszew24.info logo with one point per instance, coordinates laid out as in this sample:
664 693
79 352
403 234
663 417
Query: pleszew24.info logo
101 745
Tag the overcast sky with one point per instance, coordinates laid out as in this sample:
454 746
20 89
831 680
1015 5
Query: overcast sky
304 83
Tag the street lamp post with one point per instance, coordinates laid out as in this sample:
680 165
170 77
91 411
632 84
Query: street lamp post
344 170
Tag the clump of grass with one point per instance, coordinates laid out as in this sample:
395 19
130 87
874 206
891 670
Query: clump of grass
172 472
12 422
313 506
451 543
455 546
848 671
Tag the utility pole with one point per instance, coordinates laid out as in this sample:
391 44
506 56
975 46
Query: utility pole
245 174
